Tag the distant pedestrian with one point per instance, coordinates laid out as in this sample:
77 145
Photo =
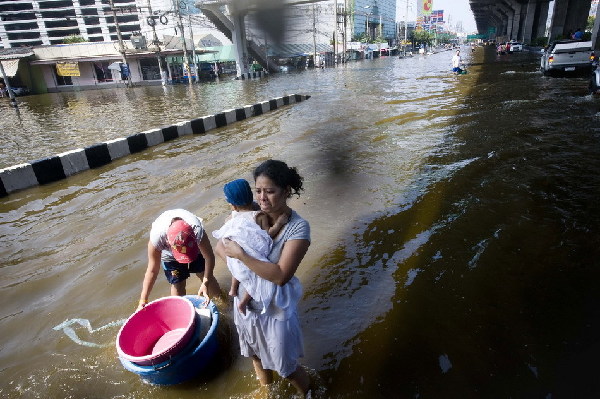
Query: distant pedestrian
578 35
456 63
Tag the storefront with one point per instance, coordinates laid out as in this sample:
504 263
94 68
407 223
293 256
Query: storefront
88 66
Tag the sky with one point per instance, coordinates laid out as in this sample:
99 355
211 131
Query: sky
454 11
457 10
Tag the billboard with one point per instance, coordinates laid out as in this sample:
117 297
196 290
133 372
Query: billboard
427 7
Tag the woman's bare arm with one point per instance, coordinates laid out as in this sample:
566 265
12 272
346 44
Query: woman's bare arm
279 273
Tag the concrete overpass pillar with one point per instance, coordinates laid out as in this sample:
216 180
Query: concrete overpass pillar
595 41
542 17
559 17
517 21
530 14
496 22
577 14
510 16
239 41
568 15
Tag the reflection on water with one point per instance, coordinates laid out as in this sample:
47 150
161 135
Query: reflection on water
453 218
49 124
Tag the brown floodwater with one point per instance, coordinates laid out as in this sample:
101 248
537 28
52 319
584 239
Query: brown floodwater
455 230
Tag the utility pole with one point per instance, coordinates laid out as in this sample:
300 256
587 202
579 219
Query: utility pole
345 27
267 52
314 29
157 44
121 45
194 50
11 95
405 27
186 61
335 28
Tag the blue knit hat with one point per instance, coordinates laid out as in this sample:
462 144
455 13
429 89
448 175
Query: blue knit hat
238 192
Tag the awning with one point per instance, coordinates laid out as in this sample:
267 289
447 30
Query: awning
10 59
10 67
74 59
218 54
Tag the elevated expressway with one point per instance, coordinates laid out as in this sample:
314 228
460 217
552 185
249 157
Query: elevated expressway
525 20
268 16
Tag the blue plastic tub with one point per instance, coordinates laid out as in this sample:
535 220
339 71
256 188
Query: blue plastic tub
190 361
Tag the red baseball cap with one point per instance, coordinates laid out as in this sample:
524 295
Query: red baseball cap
182 239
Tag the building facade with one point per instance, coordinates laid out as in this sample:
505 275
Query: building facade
375 18
316 27
47 22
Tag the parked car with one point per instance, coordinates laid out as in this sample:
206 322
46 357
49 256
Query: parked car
567 56
516 46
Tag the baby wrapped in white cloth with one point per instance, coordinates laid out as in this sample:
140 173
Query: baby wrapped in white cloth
257 243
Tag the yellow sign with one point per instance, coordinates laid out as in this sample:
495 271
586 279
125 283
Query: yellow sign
427 7
67 69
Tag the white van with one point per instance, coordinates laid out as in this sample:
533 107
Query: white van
568 56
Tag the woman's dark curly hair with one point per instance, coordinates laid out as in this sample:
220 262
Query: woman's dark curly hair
282 175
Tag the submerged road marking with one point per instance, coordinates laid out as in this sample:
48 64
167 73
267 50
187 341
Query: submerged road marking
70 332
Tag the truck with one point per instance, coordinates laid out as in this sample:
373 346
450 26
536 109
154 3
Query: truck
567 56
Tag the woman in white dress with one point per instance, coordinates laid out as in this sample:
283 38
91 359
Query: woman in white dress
273 337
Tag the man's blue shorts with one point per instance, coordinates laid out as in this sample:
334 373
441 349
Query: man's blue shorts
177 272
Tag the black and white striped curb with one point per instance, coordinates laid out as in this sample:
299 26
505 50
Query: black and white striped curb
61 166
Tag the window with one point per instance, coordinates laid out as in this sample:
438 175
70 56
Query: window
62 80
61 23
150 70
103 74
23 35
91 20
21 26
62 14
22 16
55 4
27 44
15 7
62 33
127 18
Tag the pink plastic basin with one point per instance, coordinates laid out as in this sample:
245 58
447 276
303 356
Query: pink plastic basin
158 331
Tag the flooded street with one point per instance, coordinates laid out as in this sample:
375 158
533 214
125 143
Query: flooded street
455 230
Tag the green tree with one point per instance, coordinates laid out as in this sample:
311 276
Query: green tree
590 23
74 39
362 38
422 37
444 38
